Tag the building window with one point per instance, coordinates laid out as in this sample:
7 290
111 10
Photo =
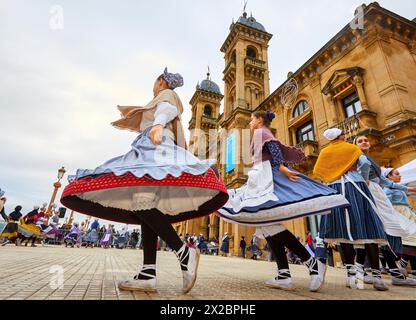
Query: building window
251 52
300 108
208 111
305 133
352 105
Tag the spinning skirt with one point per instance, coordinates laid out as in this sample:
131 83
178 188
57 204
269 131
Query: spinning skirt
149 178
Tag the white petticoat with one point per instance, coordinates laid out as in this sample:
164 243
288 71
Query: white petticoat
395 224
168 200
408 213
259 188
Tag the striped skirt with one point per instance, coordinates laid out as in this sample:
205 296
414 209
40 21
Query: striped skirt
395 244
358 224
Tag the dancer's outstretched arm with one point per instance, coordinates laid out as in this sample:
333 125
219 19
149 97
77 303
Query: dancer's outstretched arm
164 114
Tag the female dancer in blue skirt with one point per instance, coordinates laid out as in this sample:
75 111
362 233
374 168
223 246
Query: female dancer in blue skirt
358 225
401 204
157 183
275 193
395 225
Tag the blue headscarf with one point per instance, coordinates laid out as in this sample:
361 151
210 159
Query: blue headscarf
174 80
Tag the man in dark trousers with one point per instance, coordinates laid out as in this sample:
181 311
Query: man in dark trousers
243 246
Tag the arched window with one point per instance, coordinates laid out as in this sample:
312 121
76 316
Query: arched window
300 108
208 111
251 52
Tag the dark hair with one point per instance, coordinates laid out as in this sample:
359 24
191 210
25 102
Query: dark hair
162 77
267 117
357 137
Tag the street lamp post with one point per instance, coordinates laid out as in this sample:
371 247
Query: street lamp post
71 218
56 185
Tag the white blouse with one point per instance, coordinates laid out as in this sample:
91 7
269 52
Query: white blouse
165 113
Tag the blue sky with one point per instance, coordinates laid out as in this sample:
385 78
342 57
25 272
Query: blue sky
59 87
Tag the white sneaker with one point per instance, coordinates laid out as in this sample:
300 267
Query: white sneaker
136 284
318 280
354 283
379 285
368 279
350 282
139 285
361 277
408 282
189 276
284 283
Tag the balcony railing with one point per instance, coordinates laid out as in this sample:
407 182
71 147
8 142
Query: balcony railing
255 63
350 126
209 120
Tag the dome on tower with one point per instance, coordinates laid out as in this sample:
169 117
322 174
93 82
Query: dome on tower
251 22
209 85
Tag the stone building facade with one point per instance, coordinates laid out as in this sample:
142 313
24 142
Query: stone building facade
362 81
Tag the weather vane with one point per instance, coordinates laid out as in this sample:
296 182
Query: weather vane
245 5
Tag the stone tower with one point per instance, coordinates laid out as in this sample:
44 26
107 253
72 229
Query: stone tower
205 103
246 80
246 85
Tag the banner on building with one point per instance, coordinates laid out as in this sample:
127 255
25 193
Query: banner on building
230 159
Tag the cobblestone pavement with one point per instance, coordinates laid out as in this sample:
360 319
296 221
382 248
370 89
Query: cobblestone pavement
93 274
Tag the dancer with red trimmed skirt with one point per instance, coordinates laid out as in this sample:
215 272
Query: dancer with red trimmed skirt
155 184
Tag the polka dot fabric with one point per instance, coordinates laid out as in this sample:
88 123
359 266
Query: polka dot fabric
109 181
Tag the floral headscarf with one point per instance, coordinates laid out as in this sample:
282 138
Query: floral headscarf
174 80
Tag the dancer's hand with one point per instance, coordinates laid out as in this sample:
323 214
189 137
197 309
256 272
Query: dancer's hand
292 176
156 134
411 189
